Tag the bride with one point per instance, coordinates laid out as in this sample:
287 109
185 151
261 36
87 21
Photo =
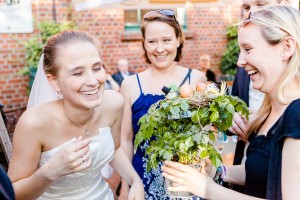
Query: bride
59 147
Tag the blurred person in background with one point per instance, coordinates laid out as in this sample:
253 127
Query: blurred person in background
122 66
204 66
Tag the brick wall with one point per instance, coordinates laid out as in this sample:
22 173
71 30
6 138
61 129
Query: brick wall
206 34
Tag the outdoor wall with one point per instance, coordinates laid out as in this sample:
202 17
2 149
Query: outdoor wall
206 34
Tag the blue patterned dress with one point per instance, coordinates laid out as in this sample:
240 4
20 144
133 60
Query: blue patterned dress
153 181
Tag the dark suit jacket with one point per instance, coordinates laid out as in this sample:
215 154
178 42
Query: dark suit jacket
119 78
240 88
210 76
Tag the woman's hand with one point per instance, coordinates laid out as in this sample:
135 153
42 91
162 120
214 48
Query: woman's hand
69 159
239 126
124 191
136 191
186 178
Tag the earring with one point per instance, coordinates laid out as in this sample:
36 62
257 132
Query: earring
59 95
178 45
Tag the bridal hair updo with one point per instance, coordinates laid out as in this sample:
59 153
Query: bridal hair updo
59 40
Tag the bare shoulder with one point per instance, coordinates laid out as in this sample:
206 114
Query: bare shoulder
112 100
34 121
197 76
128 84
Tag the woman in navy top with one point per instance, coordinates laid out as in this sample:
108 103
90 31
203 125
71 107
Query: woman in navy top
162 43
270 53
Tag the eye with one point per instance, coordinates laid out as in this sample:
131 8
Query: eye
261 5
167 40
77 73
98 67
151 41
246 8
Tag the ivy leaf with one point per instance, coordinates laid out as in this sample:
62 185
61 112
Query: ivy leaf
214 116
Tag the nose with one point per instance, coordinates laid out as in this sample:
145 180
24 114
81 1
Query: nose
91 79
160 47
241 60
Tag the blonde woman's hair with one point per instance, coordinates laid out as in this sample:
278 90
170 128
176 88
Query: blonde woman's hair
277 23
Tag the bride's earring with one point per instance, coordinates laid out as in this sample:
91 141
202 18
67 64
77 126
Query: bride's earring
59 95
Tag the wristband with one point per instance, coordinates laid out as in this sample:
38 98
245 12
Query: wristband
220 175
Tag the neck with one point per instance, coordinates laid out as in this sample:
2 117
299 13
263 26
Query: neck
78 116
164 71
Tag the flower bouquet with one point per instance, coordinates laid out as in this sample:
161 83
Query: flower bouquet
176 125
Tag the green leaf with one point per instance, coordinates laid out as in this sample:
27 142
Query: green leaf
214 116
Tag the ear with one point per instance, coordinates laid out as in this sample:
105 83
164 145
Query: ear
53 82
289 47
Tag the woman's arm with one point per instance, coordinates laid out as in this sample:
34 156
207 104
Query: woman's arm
121 162
235 174
290 169
28 180
126 130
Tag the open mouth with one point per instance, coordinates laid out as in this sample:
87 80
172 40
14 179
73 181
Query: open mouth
90 92
252 72
161 56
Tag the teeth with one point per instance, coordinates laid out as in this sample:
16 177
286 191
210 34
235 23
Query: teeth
89 92
160 56
252 72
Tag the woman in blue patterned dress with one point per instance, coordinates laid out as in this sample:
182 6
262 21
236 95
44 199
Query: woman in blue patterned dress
162 44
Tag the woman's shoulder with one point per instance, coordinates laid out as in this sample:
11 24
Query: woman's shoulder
290 121
112 99
37 119
197 76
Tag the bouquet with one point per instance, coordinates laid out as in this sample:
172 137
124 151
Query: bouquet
175 127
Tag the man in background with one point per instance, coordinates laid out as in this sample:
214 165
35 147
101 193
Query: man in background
122 66
204 66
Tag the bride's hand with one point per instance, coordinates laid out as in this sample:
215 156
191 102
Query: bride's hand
69 159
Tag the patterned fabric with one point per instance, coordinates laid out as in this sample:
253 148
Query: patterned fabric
153 181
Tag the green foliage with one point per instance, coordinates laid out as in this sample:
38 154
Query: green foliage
35 44
230 55
175 128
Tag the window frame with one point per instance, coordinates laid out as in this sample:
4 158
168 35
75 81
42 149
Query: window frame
135 27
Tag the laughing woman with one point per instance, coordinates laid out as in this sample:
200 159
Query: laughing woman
60 147
270 53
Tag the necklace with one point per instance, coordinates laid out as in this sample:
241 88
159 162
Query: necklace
86 130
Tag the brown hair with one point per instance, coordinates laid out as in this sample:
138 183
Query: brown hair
156 16
54 42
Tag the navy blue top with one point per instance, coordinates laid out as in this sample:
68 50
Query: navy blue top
153 181
264 155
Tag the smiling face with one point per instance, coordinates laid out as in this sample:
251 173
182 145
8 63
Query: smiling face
262 60
160 44
81 75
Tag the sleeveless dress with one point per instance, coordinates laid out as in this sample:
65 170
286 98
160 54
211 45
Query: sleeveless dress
153 181
88 184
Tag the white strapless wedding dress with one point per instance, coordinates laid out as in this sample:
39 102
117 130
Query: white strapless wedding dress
88 184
